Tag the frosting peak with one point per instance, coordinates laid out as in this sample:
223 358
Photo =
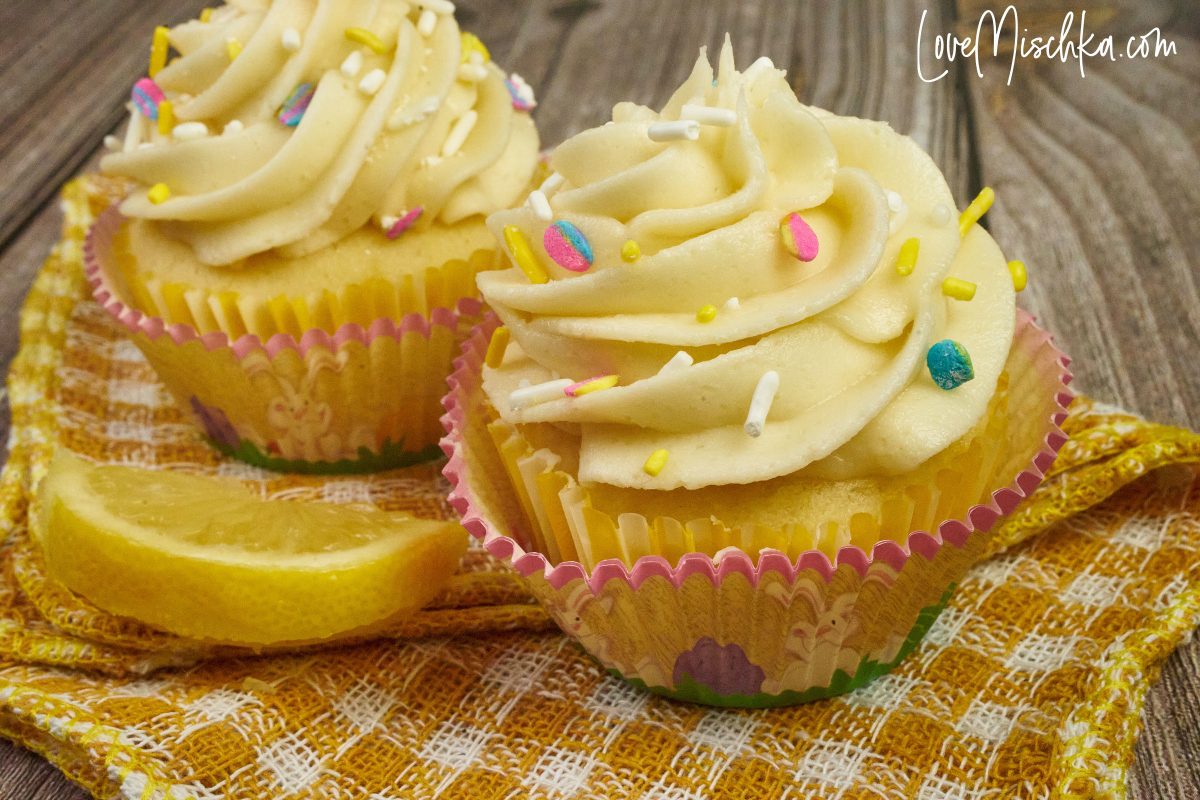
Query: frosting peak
768 234
296 122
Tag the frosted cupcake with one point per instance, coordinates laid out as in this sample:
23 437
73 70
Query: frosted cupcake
320 171
748 361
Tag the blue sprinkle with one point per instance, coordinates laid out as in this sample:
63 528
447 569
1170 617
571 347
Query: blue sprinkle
949 364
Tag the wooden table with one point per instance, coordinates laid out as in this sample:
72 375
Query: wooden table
1098 178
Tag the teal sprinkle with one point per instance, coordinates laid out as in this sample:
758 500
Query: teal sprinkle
949 364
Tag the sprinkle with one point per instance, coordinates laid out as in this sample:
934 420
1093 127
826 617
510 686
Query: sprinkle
898 209
1019 277
402 223
520 92
372 81
939 215
459 133
732 304
352 64
538 393
404 116
366 37
978 207
437 6
906 261
552 184
158 193
472 45
158 49
112 142
290 39
426 22
674 131
206 15
798 238
567 246
166 117
949 364
655 463
523 256
958 289
760 403
471 73
431 160
590 385
135 130
678 361
706 313
496 347
540 205
292 110
706 115
233 126
186 131
895 202
147 97
631 251
233 48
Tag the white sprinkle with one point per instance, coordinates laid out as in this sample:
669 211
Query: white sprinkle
408 115
135 130
731 304
472 73
112 142
426 22
387 221
189 130
940 214
431 160
895 202
760 403
371 82
459 133
437 6
674 131
678 361
538 393
352 64
898 209
523 89
233 126
552 184
540 205
290 39
706 115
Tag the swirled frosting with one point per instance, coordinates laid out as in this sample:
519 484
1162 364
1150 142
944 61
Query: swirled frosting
413 123
846 333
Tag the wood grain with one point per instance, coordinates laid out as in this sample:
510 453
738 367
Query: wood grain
1098 181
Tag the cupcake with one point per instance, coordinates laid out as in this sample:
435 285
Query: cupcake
751 395
306 188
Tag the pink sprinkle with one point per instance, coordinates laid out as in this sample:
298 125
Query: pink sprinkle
801 239
405 222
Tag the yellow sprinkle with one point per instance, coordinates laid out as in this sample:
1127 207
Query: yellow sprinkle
496 347
158 49
706 313
1019 276
631 251
655 463
958 288
978 207
206 15
906 261
365 37
523 255
594 385
166 117
472 44
158 193
233 48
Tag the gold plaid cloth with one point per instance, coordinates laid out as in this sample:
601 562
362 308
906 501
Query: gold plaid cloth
1030 684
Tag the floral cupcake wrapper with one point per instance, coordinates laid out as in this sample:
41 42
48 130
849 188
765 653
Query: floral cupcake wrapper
733 622
361 399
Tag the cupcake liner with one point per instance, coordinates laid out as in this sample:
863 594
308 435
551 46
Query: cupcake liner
362 398
715 616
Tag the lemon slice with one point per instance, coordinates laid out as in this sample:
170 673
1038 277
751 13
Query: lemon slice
204 558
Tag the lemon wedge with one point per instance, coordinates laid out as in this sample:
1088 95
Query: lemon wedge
205 558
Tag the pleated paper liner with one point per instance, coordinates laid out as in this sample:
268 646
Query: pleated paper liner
359 399
750 614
